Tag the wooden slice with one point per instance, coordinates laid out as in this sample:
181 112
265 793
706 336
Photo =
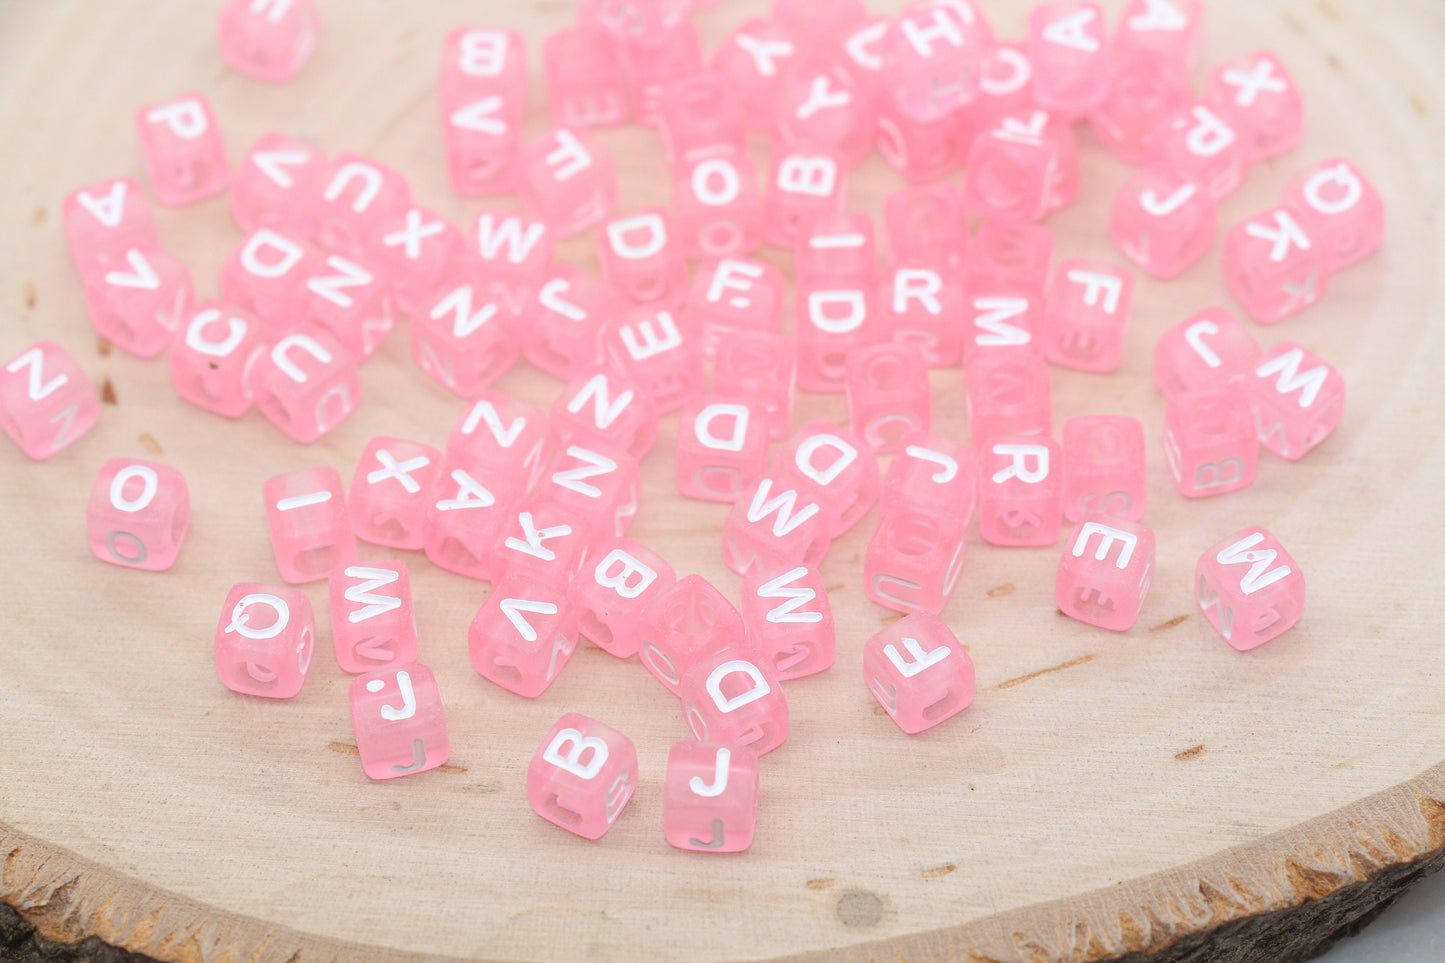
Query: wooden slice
1105 794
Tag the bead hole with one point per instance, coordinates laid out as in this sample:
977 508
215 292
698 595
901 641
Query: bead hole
913 535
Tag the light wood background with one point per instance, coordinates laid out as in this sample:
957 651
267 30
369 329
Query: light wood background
1105 793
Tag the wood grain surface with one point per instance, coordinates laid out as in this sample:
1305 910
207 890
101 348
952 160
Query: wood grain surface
1106 793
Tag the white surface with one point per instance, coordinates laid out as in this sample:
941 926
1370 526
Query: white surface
1411 931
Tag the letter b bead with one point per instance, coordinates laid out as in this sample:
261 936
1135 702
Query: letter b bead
265 640
918 672
1249 588
710 801
582 776
138 514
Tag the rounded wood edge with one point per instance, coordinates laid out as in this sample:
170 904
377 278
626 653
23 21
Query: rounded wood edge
1285 896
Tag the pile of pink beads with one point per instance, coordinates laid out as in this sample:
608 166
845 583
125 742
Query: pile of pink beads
539 503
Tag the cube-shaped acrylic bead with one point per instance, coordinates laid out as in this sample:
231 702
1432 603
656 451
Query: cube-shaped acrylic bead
722 447
469 506
483 93
649 349
514 253
104 220
833 319
642 258
137 301
1105 571
351 299
710 797
1197 142
754 59
268 40
775 524
920 150
1163 221
483 60
372 623
802 185
836 247
306 384
184 153
920 301
683 623
717 205
1086 314
1008 394
999 323
730 695
760 366
611 595
565 179
1259 97
417 252
888 395
461 339
1249 588
560 334
608 408
523 635
933 56
701 115
918 672
1340 211
1297 399
789 621
1210 441
914 558
138 514
926 225
391 491
1145 89
399 722
599 482
825 108
1014 169
1020 496
210 357
265 640
265 275
276 186
1272 266
1205 350
1104 467
1010 256
582 775
1068 47
311 534
933 473
357 196
733 294
835 467
544 541
46 400
651 68
504 436
1172 30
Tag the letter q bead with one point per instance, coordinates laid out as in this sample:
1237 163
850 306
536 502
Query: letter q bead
138 514
582 775
265 640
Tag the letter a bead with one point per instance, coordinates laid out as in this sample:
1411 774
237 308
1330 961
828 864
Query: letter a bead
1249 588
310 529
397 716
918 672
731 695
710 799
138 514
582 775
265 640
46 401
372 623
1105 571
184 154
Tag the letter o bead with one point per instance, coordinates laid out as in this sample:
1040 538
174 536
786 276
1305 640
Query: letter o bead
138 514
265 640
918 672
710 801
582 775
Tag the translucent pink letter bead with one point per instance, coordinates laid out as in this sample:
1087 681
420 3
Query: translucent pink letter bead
139 299
566 180
1209 349
211 356
276 186
606 408
1105 571
642 258
1088 309
269 40
685 622
1103 467
918 672
503 435
523 635
1249 588
372 623
104 220
306 384
618 582
1068 46
914 558
460 339
138 514
933 56
789 621
835 467
1272 266
265 640
1210 441
1261 101
483 94
1297 400
596 481
184 153
46 401
397 716
731 695
1020 499
759 365
887 391
802 185
1340 210
357 194
582 775
710 801
1163 221
310 529
717 203
722 448
391 490
777 523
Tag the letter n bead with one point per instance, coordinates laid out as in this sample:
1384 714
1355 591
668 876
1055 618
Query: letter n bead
1105 571
732 696
397 716
265 640
710 801
138 514
582 776
184 153
46 401
1249 588
918 672
311 532
372 623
